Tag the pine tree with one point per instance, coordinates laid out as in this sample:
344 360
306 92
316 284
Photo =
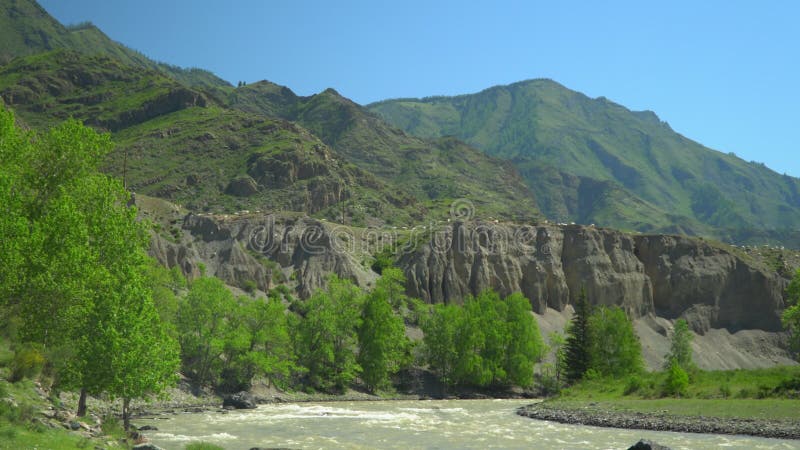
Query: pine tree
578 340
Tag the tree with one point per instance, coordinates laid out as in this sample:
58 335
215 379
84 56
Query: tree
791 315
381 336
326 338
260 344
614 347
524 346
202 323
577 347
440 340
680 350
79 284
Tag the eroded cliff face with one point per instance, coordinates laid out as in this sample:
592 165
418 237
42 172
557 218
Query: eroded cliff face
264 249
667 276
711 286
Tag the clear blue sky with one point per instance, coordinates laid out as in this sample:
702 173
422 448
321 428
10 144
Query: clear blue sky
724 73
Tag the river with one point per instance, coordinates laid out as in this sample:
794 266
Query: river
434 424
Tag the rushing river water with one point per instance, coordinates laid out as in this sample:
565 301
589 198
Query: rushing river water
435 424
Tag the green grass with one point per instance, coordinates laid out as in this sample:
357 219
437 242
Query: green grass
202 446
772 393
21 437
775 382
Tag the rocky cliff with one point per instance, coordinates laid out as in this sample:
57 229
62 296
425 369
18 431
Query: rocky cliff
710 285
260 249
731 299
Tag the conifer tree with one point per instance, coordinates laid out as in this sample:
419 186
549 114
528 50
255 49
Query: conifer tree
578 340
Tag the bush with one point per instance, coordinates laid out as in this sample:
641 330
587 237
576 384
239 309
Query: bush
677 381
635 384
725 390
27 363
249 286
202 446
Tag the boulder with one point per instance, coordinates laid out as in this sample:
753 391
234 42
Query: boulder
240 400
646 444
147 446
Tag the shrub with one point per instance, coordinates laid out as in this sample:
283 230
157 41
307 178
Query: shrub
249 286
202 446
634 385
27 363
725 390
677 381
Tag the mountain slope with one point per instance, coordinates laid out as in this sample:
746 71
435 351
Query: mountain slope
542 126
437 171
26 28
177 143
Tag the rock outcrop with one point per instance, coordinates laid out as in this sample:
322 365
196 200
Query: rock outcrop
261 249
669 276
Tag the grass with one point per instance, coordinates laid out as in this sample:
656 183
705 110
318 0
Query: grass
18 429
202 446
772 393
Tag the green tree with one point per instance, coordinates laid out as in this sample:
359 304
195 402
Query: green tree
326 338
614 347
680 350
524 346
202 323
381 336
791 315
439 329
677 381
577 347
78 285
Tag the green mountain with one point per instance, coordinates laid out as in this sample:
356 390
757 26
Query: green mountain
592 160
26 29
438 171
178 143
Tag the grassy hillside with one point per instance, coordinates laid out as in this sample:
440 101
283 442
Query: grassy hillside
436 171
26 28
654 177
177 143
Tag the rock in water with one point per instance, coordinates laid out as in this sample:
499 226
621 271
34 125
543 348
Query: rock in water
147 447
240 400
646 444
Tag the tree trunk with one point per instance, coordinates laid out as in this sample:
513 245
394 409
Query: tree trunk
126 413
82 403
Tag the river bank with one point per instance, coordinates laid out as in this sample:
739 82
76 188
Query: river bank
601 415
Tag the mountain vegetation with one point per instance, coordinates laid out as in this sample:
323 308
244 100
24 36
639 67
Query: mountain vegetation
593 161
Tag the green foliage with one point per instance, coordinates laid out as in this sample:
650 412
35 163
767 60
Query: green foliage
440 340
81 284
677 381
791 315
382 341
680 347
383 260
577 349
203 328
488 341
326 338
614 347
202 446
27 363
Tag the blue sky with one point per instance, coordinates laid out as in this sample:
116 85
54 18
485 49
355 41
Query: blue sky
724 73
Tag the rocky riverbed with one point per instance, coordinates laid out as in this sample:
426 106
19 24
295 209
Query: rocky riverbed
595 416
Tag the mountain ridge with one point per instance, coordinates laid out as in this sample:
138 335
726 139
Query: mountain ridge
539 123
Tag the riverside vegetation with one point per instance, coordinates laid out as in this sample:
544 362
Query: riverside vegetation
85 310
